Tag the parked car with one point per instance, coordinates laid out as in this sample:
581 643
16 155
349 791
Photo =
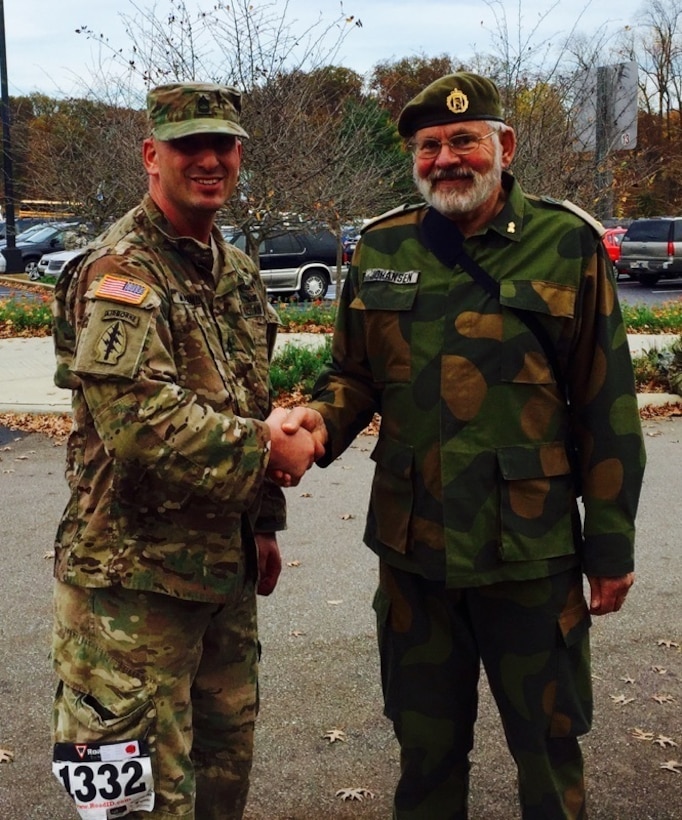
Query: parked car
49 238
21 225
27 232
52 264
301 262
652 249
612 240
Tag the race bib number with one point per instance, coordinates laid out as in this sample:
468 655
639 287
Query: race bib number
106 780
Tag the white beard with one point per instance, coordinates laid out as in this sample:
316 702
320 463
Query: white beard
460 203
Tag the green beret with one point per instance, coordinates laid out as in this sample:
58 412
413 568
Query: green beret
180 109
453 98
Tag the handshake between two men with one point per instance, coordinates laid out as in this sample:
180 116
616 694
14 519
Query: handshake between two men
297 440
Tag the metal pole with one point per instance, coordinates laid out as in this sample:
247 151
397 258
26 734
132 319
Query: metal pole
12 255
604 140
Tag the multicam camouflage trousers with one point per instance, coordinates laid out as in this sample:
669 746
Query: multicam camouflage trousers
532 638
181 675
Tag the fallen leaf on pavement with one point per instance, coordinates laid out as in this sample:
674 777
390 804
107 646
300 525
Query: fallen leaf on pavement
6 756
667 643
664 741
621 700
332 735
640 734
355 794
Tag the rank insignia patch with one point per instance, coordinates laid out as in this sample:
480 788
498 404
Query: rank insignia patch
122 290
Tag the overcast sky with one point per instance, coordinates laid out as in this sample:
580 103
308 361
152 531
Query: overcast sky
45 54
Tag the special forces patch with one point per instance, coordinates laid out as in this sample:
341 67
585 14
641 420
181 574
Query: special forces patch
114 338
111 345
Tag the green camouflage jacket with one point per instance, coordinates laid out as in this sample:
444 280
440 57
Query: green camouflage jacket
167 356
473 481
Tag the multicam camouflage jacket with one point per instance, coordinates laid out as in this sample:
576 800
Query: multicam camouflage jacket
473 480
167 355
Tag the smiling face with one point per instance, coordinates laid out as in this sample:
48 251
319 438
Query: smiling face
467 188
191 178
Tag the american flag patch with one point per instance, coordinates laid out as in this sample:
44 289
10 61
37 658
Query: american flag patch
122 290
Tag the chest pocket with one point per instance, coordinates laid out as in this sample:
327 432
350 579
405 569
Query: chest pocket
549 309
248 326
197 349
387 313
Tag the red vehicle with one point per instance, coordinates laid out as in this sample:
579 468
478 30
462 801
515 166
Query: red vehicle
612 240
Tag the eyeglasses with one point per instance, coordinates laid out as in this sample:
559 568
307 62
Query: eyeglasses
459 144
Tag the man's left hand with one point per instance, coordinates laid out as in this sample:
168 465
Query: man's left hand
608 594
269 562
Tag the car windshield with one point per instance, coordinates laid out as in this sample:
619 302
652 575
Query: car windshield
42 235
25 236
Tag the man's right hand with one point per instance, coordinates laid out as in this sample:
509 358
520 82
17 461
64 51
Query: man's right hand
291 453
308 419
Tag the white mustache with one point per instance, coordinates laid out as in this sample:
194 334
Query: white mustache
451 173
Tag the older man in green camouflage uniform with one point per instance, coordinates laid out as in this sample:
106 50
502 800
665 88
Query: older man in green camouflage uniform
163 332
484 327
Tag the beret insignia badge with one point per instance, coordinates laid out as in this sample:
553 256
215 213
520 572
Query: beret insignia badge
457 101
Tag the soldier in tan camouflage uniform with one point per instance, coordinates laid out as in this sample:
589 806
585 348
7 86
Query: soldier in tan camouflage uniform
163 332
485 329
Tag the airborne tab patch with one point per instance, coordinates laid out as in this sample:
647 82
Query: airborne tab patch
122 290
395 277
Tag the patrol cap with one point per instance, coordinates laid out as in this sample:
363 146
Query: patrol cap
180 109
454 98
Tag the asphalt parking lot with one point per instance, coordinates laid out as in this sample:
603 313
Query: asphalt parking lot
319 670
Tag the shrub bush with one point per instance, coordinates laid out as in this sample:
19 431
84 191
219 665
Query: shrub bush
296 367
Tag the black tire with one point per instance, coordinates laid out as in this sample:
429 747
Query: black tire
31 265
314 284
648 279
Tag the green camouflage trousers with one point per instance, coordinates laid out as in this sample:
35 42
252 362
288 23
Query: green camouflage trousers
181 675
533 640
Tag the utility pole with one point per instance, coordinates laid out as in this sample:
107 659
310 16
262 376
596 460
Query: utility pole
604 138
12 254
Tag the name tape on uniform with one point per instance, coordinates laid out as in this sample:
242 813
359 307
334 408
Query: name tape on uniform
395 277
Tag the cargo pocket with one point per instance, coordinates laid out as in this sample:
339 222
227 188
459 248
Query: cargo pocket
392 494
572 713
97 699
382 608
536 502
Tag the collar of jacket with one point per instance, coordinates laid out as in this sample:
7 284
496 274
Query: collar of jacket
199 253
509 221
